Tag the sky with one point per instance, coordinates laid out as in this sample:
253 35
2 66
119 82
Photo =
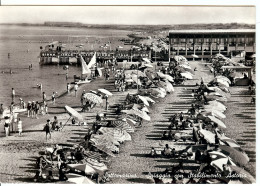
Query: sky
127 14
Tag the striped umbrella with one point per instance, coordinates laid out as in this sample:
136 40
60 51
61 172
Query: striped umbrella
78 179
82 167
93 98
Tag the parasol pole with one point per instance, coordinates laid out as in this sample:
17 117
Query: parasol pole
65 124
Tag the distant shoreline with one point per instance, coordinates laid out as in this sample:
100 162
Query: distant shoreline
147 28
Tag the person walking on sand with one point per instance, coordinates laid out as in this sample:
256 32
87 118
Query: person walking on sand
1 111
20 126
7 125
37 109
13 94
29 108
53 97
76 89
44 97
47 129
68 88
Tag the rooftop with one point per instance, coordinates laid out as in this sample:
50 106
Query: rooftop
212 31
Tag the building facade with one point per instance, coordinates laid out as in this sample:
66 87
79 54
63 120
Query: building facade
206 43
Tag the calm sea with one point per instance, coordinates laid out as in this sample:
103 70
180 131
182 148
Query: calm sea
23 43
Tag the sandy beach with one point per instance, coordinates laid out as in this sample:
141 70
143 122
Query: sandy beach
131 165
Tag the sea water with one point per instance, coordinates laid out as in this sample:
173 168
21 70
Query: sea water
23 43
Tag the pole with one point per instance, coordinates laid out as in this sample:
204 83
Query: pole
65 123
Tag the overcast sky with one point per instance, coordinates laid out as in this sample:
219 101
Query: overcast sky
127 14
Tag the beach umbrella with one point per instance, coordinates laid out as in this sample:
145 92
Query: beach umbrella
105 149
185 66
209 136
93 98
105 91
224 78
186 75
148 65
237 156
218 114
73 113
217 155
149 99
230 142
146 60
253 56
78 179
140 107
195 56
247 178
143 100
106 137
217 104
136 79
130 121
129 80
165 76
138 73
222 161
82 167
217 121
145 109
222 82
209 108
140 114
100 167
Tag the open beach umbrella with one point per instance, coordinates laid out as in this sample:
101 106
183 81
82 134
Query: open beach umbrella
106 137
217 121
222 161
218 114
78 179
143 100
148 65
73 113
237 156
185 66
146 60
222 82
217 104
140 114
209 136
105 91
217 155
186 75
130 121
104 149
149 99
82 167
100 167
93 98
195 56
247 178
165 76
224 78
230 142
150 75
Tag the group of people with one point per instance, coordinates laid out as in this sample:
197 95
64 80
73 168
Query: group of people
52 126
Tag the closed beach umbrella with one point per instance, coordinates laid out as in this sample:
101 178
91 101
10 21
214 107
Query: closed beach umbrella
222 161
93 98
246 177
237 156
74 113
195 56
82 167
186 75
78 179
217 121
105 91
143 100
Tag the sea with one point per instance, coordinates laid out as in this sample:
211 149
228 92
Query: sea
23 43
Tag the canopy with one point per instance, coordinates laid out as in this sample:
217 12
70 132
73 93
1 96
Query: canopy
74 113
105 91
93 98
78 179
